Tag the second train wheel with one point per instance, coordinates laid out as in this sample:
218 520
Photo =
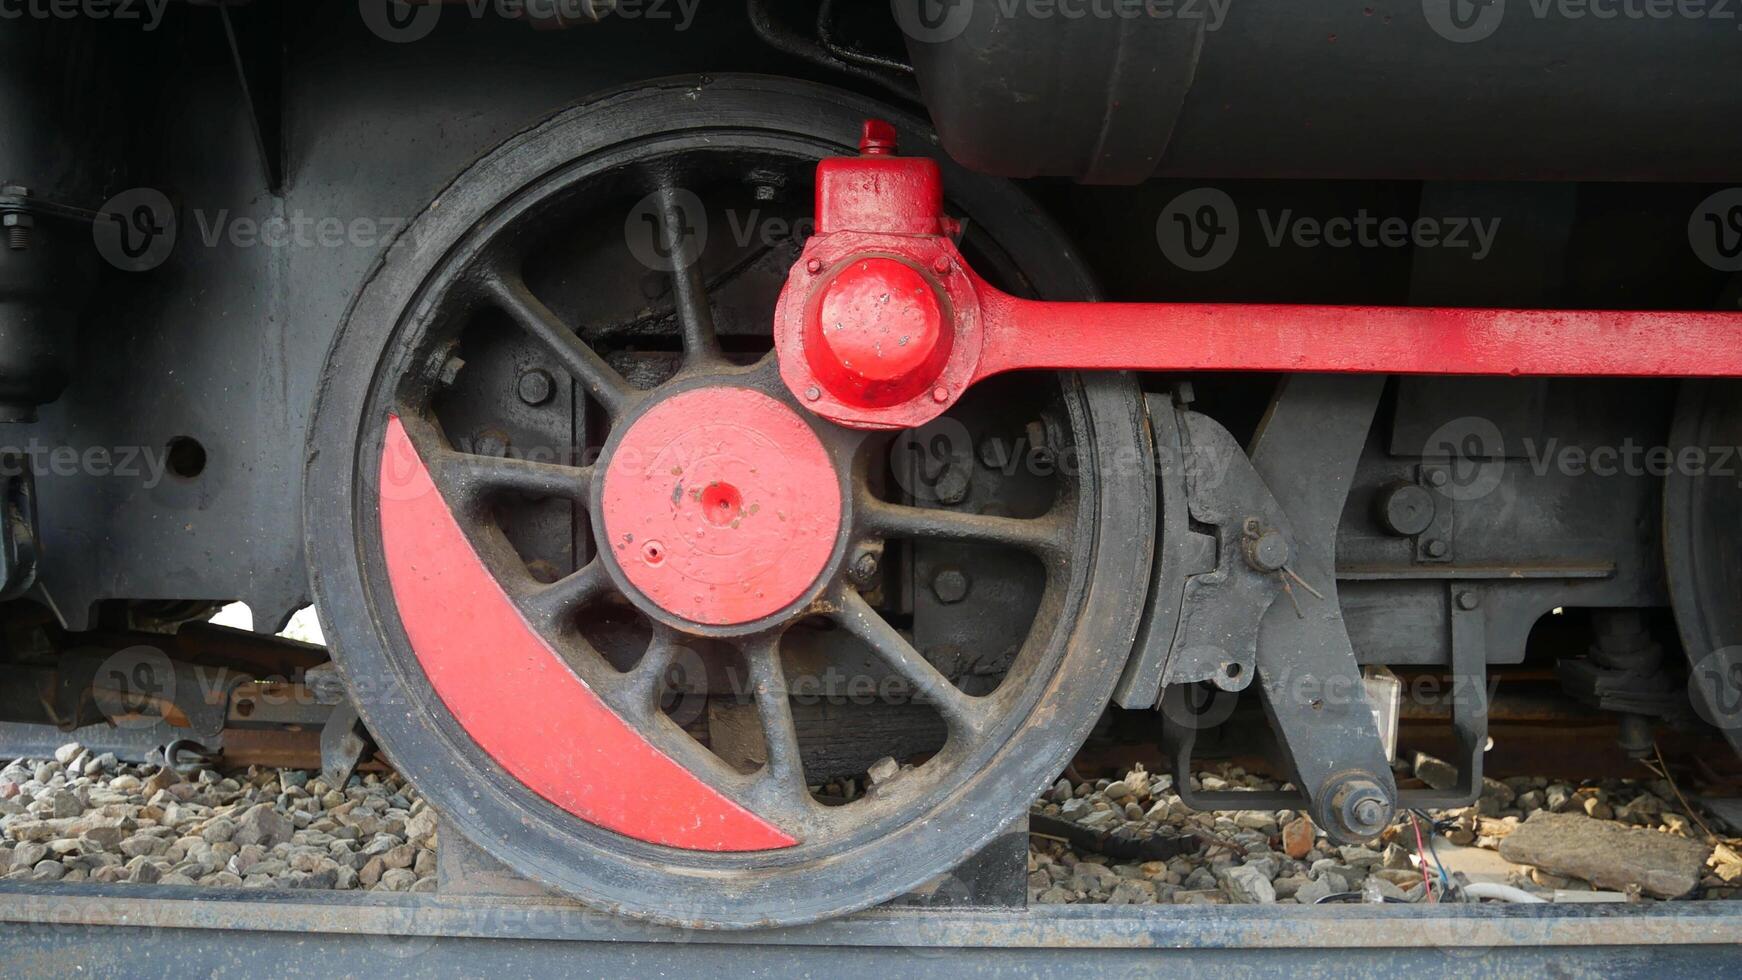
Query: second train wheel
553 458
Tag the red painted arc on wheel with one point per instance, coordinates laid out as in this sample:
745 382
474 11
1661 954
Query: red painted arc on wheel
721 506
516 697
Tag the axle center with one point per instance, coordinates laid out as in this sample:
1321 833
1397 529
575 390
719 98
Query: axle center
878 333
720 506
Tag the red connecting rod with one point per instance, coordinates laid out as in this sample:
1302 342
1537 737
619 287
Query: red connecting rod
882 325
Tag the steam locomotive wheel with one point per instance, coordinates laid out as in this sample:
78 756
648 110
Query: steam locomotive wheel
555 463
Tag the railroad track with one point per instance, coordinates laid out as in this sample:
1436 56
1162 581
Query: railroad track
185 931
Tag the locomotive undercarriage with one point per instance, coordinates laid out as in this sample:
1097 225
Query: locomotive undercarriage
1139 557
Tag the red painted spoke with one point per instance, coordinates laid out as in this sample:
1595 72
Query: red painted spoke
606 386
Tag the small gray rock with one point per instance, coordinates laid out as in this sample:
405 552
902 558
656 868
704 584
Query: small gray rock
264 826
1247 884
1312 891
27 854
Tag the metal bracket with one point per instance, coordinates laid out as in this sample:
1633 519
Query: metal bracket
1434 544
1469 699
1305 456
343 742
1222 609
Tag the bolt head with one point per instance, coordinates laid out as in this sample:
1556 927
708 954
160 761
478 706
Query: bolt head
1407 509
1468 600
865 563
17 219
1268 551
1437 548
536 387
814 266
1357 809
1370 812
950 585
941 265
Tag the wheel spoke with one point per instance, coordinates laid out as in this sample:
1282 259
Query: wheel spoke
601 381
961 712
1039 535
689 290
567 595
645 683
471 477
783 777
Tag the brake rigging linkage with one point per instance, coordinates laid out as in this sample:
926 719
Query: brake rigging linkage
883 325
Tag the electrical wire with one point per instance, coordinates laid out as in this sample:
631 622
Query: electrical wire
1433 826
1421 857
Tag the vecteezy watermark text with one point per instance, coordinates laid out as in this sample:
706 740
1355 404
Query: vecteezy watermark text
937 21
1468 21
146 464
147 13
405 21
1200 230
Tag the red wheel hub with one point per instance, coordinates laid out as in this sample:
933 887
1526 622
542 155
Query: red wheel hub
721 506
877 335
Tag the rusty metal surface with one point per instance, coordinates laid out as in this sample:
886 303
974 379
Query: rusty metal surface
1471 929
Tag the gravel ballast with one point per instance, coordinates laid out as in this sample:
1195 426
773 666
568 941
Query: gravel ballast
84 817
1624 836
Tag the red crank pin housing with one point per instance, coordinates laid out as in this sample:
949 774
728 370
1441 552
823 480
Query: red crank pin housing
882 325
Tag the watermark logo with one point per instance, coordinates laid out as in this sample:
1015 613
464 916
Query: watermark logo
133 686
135 230
934 463
398 21
1715 230
684 686
664 238
1199 230
1715 688
1464 21
932 21
1475 454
